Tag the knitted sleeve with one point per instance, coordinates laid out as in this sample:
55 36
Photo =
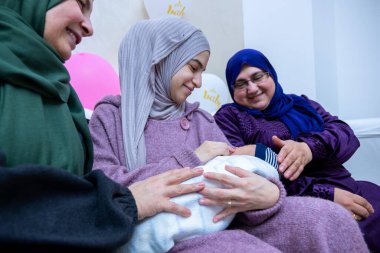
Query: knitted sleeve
105 128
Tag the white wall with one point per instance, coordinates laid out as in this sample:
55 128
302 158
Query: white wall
326 49
282 30
358 57
326 76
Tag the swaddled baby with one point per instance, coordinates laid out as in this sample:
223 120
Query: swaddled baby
160 232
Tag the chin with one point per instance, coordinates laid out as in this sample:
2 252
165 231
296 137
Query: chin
66 56
65 53
255 107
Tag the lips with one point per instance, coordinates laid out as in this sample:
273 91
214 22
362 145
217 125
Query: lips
255 96
190 89
255 99
76 38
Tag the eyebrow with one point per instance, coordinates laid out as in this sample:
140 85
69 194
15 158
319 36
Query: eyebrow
241 79
197 61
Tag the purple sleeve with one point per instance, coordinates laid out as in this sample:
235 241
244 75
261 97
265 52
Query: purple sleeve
310 186
105 127
229 125
254 218
336 144
323 191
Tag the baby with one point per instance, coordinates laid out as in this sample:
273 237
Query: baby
160 232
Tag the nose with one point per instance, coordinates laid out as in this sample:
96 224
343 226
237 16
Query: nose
197 80
87 27
252 87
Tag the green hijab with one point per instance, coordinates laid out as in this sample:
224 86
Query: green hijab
41 118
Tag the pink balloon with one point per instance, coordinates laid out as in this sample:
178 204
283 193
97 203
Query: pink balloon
92 78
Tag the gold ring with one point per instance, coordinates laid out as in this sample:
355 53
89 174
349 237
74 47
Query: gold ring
229 203
356 217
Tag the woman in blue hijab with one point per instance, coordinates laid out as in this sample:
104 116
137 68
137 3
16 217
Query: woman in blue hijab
312 144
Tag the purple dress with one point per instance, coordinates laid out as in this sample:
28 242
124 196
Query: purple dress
330 148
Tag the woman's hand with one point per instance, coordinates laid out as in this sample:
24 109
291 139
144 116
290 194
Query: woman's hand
357 205
245 150
292 158
153 194
211 149
247 191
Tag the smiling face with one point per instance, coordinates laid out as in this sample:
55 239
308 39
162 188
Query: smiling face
188 78
255 95
66 24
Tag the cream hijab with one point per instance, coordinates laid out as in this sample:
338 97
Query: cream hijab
149 55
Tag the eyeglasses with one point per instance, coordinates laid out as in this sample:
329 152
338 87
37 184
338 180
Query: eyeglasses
257 78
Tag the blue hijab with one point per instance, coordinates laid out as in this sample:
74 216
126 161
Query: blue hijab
294 111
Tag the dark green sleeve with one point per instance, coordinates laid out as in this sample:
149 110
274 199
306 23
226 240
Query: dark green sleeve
43 209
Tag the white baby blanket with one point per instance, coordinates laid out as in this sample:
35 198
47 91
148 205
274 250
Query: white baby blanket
159 233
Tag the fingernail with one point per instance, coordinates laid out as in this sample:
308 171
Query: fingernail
201 201
215 220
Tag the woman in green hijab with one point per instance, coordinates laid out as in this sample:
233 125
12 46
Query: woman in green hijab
45 147
42 120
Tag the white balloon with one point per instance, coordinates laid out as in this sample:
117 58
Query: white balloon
212 95
162 8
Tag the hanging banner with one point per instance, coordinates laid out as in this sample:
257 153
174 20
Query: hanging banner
162 8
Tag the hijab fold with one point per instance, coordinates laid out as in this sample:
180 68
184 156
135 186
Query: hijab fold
41 118
294 111
149 55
